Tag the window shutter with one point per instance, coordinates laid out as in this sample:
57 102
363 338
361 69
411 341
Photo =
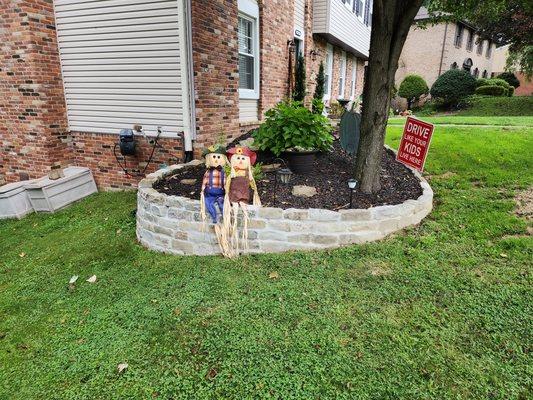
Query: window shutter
124 62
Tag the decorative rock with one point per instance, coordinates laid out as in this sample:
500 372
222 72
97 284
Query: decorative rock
188 181
303 191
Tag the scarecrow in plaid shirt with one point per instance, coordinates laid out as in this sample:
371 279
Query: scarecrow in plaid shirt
212 194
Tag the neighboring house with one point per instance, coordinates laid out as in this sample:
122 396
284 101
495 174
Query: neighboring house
431 50
75 73
498 66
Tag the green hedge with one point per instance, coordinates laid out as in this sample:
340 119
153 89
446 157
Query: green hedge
491 90
510 78
481 82
453 86
412 87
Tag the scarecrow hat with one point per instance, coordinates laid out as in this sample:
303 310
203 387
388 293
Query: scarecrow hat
245 151
214 149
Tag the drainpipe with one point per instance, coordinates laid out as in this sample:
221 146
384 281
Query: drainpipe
189 136
443 46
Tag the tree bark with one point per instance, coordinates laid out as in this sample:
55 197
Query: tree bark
391 21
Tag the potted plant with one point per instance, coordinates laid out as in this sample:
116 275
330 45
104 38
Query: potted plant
295 133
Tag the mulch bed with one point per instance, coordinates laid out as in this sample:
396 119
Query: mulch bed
330 176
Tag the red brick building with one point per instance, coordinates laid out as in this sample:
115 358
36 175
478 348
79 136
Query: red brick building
74 73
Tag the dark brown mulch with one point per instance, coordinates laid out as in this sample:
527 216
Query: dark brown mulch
330 176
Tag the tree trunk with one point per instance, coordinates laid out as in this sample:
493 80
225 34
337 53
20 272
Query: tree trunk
390 25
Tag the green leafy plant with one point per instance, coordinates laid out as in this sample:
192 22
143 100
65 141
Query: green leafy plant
318 106
510 91
510 78
452 86
299 85
491 90
289 126
481 82
412 88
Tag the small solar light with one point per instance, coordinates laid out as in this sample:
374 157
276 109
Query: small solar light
352 185
284 175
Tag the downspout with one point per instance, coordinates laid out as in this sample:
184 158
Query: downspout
189 136
443 46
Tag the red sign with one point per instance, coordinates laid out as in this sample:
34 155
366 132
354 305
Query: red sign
415 143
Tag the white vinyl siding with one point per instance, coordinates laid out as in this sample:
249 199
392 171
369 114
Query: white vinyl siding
341 26
248 110
124 62
299 14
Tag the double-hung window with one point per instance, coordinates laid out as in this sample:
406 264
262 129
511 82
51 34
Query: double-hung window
248 35
459 30
358 7
342 75
368 13
328 72
470 40
354 78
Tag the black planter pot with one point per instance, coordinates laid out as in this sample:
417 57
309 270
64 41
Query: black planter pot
300 162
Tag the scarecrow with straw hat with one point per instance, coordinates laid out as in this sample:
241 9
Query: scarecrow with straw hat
213 185
239 185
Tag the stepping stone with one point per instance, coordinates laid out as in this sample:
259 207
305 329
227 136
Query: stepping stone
188 181
303 191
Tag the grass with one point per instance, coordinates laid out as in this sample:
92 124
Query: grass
470 120
499 106
442 311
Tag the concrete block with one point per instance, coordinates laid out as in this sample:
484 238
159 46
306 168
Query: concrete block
317 214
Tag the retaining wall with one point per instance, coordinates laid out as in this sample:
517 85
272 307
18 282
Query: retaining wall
172 224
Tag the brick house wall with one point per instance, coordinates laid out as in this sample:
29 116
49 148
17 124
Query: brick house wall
33 124
431 51
34 130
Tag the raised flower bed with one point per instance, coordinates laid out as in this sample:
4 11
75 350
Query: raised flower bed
172 224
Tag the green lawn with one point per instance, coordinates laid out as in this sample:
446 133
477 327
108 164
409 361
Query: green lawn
470 120
441 311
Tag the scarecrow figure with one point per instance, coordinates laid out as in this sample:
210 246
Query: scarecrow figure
238 186
213 185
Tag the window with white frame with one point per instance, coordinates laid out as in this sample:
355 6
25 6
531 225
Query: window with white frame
328 71
368 13
248 35
342 75
354 78
348 3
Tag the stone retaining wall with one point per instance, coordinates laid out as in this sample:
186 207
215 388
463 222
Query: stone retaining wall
172 224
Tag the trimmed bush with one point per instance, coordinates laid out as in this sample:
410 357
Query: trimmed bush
412 87
452 86
481 82
491 90
290 125
510 78
510 91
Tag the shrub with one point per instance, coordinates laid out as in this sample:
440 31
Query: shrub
290 125
510 78
317 106
491 90
299 84
412 87
320 83
481 82
452 86
510 91
499 82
